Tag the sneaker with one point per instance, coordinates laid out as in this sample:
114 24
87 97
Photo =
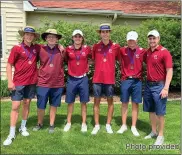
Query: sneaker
84 128
24 131
159 140
95 129
122 129
109 129
51 128
151 135
9 140
134 131
67 127
37 127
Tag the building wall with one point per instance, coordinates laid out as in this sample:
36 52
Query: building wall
13 18
35 19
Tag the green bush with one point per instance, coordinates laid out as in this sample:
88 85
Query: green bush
4 88
169 30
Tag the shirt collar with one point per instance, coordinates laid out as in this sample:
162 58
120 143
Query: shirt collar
27 45
110 43
159 47
53 47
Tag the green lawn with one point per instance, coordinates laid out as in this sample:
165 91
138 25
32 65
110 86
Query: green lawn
75 142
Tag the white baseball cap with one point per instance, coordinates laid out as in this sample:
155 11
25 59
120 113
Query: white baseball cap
132 35
154 33
77 32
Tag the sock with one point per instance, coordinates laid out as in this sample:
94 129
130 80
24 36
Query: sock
12 131
108 125
83 124
23 123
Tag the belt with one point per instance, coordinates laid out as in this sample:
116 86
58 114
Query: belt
131 77
80 76
154 83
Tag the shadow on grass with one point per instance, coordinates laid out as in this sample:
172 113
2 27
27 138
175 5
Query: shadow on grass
61 120
141 125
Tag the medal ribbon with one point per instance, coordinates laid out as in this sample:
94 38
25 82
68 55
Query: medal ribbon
105 51
130 56
29 55
77 56
51 54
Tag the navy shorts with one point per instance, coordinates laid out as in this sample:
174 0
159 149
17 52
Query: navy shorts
52 94
152 99
23 92
77 86
101 89
133 88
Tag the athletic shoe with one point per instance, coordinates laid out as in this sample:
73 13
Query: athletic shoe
95 129
37 127
122 129
67 127
9 140
24 131
84 128
134 131
51 129
159 140
109 129
151 135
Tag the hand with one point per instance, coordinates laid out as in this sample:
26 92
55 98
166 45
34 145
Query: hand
61 48
11 86
164 93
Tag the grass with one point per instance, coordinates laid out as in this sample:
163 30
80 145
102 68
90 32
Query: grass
75 142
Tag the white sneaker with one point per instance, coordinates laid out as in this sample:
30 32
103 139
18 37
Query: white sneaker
109 129
159 140
95 129
67 127
122 129
84 128
23 131
9 140
151 135
134 131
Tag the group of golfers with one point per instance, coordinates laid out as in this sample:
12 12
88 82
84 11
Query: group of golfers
39 70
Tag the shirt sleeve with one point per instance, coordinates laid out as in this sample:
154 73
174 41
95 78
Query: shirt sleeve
65 54
93 52
89 52
145 56
168 59
13 55
118 54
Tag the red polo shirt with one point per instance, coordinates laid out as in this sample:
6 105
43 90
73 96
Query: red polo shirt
25 73
157 63
105 71
132 58
51 77
79 56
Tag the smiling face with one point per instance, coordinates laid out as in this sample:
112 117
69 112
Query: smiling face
153 41
77 39
28 37
132 44
51 39
105 34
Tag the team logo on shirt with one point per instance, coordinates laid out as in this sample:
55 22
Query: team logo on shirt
99 50
110 50
137 56
155 56
34 51
83 53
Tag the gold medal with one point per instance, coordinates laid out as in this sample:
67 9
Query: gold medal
104 59
51 65
77 63
30 62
